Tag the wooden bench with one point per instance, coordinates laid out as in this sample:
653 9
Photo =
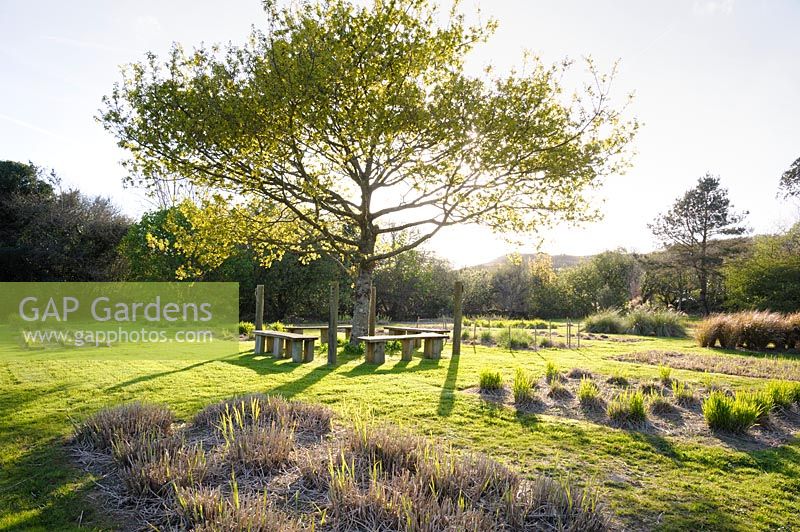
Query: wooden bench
286 344
323 330
376 345
403 330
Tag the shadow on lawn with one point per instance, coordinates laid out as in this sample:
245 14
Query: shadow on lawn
447 396
145 378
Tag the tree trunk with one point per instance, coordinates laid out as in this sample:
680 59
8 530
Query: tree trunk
361 303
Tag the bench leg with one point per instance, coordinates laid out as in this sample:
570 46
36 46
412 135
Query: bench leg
308 350
417 341
295 347
378 355
276 347
436 348
408 347
347 334
323 335
259 345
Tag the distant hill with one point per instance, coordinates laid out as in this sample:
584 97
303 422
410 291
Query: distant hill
559 261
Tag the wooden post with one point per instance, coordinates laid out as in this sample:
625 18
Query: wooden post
259 319
510 343
458 296
579 335
333 317
535 340
372 309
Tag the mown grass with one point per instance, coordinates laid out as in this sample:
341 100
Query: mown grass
648 481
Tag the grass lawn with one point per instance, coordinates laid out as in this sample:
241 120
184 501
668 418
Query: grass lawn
648 480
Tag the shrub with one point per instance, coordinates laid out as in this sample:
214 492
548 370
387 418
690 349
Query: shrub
523 386
490 380
682 394
664 373
627 408
486 337
246 328
793 329
514 339
276 326
546 343
551 372
605 322
124 421
732 414
395 346
588 392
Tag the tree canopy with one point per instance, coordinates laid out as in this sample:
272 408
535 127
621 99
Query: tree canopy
341 125
702 214
790 180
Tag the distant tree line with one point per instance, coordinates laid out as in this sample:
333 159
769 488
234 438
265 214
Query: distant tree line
706 264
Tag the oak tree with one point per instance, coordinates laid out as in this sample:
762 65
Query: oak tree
339 125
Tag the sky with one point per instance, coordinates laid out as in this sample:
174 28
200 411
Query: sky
716 87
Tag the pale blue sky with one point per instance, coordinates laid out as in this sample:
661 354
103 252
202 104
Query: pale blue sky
717 88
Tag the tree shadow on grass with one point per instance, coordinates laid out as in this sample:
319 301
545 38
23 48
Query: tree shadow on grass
401 366
151 376
447 396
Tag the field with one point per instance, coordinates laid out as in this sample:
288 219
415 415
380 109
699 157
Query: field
664 475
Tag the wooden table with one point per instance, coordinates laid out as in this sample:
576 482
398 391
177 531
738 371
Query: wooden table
286 344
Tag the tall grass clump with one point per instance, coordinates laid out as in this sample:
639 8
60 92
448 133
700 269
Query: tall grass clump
588 392
551 372
734 414
605 322
523 386
783 393
130 420
627 408
664 323
490 380
755 330
664 374
682 393
514 339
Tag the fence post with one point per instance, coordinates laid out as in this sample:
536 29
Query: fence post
259 318
333 318
458 293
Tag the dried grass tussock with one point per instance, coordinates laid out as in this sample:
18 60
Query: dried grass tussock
262 463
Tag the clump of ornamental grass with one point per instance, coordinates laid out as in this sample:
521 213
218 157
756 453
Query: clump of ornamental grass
617 379
551 372
606 322
486 337
627 408
557 390
514 339
735 414
246 328
759 329
682 393
490 380
307 420
664 323
259 448
665 375
523 386
578 373
129 420
588 393
793 328
650 388
183 467
659 404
